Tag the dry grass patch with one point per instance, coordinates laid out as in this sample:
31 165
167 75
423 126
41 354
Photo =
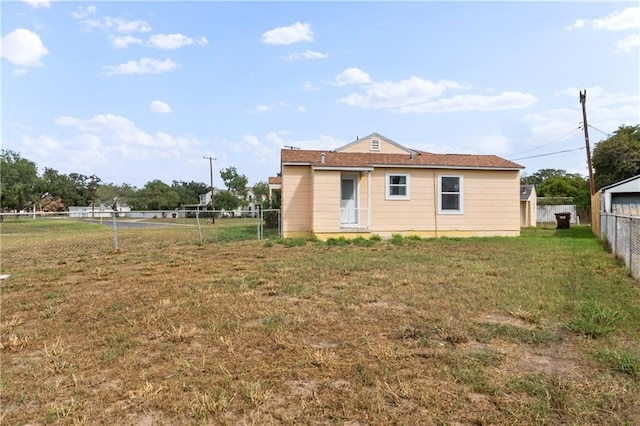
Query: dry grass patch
473 331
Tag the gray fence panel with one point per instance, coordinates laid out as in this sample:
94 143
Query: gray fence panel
634 249
621 235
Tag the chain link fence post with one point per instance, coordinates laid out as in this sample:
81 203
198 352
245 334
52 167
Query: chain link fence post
114 226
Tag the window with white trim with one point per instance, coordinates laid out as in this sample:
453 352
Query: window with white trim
450 194
374 145
397 186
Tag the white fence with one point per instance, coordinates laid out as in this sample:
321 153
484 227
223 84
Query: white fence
546 213
621 234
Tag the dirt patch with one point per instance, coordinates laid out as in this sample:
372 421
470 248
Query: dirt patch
506 319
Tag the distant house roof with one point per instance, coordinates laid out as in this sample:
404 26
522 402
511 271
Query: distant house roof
416 158
275 180
622 182
525 192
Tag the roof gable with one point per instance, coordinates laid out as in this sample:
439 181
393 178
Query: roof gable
375 143
631 184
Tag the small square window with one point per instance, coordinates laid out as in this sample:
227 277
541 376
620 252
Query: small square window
397 186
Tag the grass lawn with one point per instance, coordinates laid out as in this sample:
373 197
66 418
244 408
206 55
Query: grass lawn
538 329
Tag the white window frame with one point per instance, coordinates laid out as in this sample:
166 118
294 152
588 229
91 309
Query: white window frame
374 145
387 184
460 193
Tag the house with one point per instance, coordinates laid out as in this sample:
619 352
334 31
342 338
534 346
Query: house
377 186
622 198
275 187
528 208
250 208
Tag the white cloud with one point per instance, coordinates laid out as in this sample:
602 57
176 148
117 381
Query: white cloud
174 41
36 4
302 109
352 76
579 23
309 86
322 142
405 93
627 19
23 47
470 102
81 13
270 107
87 18
159 107
118 130
605 110
19 71
307 54
122 42
624 20
143 66
288 35
629 43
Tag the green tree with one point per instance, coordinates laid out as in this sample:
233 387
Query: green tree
117 195
225 200
85 188
261 190
540 176
20 185
189 192
157 195
235 182
60 186
618 157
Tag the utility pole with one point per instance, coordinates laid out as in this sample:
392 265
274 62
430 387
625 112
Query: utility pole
585 126
213 213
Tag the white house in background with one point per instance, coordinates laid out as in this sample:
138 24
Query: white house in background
250 209
97 211
622 197
528 206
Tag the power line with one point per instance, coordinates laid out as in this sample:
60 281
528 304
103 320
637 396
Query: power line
598 130
549 153
548 143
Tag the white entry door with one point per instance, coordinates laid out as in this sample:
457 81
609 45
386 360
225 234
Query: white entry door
349 201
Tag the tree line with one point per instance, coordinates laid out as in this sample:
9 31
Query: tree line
22 187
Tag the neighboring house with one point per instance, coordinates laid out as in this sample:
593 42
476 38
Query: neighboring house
377 186
98 211
275 187
250 208
528 209
622 198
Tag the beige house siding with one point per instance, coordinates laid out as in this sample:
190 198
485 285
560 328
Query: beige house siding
364 145
311 193
297 201
326 197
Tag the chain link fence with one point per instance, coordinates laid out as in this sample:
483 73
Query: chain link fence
621 235
36 237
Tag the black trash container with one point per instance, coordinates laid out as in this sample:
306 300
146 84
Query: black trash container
563 220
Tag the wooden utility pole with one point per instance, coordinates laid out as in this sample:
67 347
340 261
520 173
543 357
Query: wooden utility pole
585 126
213 212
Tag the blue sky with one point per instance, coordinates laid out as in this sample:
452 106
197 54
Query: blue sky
136 91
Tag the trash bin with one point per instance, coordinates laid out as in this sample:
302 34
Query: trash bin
563 220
